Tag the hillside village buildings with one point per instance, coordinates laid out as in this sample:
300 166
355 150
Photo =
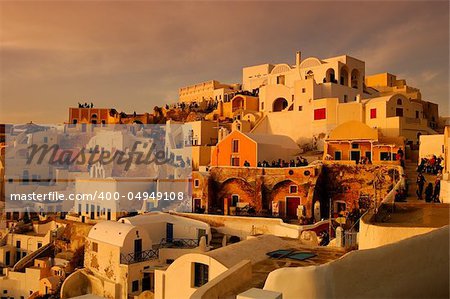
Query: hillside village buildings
273 168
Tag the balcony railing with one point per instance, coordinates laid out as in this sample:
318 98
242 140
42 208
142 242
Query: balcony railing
153 254
179 243
136 257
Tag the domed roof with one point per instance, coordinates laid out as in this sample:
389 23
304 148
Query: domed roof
353 130
110 232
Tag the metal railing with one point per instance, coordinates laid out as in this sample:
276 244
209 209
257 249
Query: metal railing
141 256
350 239
179 243
153 254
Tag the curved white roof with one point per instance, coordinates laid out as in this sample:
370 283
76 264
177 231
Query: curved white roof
158 217
110 232
280 140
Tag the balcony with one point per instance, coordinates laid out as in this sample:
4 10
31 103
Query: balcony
179 243
153 254
137 257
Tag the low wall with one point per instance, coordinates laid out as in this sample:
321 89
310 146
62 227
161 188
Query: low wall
417 267
371 235
247 226
227 283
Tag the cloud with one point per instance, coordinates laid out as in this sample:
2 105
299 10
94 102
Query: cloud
136 55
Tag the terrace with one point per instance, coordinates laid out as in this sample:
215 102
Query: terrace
153 254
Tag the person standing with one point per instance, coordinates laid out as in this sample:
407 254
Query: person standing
420 183
429 193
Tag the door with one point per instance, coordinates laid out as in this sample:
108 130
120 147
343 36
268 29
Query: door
317 211
169 232
201 233
355 156
337 156
137 249
148 282
108 215
292 204
369 156
7 258
197 205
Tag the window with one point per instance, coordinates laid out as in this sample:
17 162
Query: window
196 183
200 274
135 286
17 244
235 146
45 139
303 90
39 245
320 114
373 113
262 106
293 189
94 246
337 155
280 79
300 108
345 98
399 101
234 161
355 145
385 156
399 112
234 199
417 114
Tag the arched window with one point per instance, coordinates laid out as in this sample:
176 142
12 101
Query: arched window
399 101
355 78
344 76
330 76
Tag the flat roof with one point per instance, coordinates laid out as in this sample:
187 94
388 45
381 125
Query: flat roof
418 215
256 249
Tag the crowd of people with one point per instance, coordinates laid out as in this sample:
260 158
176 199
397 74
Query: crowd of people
298 162
432 190
431 165
85 105
210 105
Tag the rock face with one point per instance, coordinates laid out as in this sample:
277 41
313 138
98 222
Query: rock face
268 190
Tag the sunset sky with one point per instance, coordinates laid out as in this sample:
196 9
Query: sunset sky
135 55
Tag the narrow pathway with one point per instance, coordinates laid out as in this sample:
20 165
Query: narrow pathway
411 173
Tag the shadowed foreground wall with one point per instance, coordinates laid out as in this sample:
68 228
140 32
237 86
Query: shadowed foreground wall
417 267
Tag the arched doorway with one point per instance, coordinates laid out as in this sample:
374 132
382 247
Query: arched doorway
279 104
355 78
330 76
286 197
237 103
234 193
343 80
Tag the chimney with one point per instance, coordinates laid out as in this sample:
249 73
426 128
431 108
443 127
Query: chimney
298 58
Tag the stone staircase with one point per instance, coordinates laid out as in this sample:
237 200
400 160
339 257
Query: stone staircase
216 238
411 173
